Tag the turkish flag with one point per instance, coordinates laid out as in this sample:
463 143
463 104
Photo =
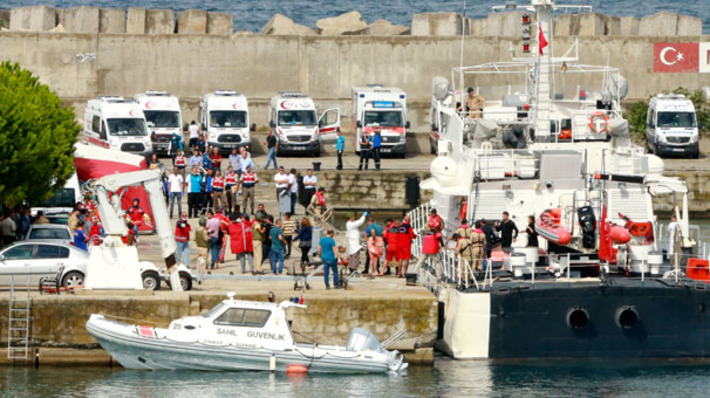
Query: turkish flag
542 41
675 57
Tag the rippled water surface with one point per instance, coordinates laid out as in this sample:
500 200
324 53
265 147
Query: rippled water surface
447 379
252 15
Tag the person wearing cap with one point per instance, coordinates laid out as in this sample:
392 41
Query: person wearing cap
202 240
182 239
473 105
352 233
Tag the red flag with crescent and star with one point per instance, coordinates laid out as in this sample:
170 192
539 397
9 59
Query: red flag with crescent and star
542 41
675 57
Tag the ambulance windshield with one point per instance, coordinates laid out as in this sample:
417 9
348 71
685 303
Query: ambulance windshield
297 118
228 119
132 127
676 119
383 119
165 119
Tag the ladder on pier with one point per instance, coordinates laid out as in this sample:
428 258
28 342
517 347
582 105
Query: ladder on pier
18 329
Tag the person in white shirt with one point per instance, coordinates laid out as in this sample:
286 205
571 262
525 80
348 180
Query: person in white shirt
310 183
293 189
176 184
194 134
244 161
352 233
281 182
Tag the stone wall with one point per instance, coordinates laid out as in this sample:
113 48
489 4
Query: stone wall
498 24
59 321
82 66
352 189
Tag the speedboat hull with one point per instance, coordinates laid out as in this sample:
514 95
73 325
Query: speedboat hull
140 347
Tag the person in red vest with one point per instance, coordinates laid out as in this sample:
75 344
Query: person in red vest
319 208
435 221
181 163
218 196
136 216
392 239
240 235
248 181
399 244
130 238
408 236
182 238
464 209
431 243
230 181
97 231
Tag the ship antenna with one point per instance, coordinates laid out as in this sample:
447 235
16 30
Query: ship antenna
464 25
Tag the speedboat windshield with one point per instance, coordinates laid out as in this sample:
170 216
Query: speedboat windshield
215 310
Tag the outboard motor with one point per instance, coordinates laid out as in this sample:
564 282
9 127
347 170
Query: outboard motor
588 223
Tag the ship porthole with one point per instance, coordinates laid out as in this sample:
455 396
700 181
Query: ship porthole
626 318
577 318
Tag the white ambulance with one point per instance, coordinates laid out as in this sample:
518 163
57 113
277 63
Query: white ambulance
292 119
224 115
672 126
163 117
384 109
117 123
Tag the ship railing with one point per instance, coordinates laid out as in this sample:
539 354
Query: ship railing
503 164
419 218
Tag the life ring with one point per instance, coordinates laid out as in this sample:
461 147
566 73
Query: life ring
592 122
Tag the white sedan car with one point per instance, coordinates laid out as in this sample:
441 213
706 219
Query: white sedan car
36 259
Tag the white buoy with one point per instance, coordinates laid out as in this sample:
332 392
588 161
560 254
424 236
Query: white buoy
272 363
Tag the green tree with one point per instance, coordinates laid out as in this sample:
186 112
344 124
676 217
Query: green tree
37 136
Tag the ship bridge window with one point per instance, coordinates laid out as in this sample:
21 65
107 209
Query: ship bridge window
243 317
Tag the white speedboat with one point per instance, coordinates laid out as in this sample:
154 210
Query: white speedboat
238 335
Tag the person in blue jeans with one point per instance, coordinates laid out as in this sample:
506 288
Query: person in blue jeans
273 145
277 254
340 147
327 253
377 147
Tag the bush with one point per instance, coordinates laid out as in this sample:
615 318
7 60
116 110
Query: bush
37 136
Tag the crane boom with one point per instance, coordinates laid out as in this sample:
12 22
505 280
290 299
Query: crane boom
111 214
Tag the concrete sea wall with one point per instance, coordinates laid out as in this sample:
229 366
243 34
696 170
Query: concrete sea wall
59 321
81 66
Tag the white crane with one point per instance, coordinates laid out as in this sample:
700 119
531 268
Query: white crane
113 264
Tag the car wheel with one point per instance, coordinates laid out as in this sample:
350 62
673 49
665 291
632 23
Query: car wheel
696 155
151 281
73 279
185 281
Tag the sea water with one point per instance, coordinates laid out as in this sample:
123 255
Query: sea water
252 15
448 378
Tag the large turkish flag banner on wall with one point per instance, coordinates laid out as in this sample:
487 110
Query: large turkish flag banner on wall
675 57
